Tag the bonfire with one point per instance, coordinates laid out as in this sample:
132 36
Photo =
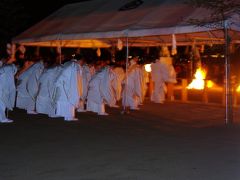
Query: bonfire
199 81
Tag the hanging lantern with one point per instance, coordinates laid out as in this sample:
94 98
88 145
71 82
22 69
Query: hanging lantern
13 48
59 49
119 44
9 49
186 52
148 50
196 52
98 52
202 48
232 48
164 52
78 51
22 49
174 45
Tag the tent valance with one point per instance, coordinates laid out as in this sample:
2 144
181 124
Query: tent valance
98 23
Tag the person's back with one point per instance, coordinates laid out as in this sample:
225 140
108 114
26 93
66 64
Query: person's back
132 91
120 74
7 90
28 86
159 87
45 99
67 91
95 97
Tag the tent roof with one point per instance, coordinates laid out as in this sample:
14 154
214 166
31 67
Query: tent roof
98 23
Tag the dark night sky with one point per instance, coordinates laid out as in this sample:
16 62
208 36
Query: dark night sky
38 9
17 16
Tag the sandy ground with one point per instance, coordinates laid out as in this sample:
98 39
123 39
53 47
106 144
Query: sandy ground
164 142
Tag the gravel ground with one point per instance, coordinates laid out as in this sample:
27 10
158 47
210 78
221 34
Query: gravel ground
173 141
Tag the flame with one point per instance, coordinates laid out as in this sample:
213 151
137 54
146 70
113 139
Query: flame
238 89
198 82
148 67
210 84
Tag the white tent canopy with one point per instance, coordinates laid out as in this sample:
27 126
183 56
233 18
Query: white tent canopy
99 23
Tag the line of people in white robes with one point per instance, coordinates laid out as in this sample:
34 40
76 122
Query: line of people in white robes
61 90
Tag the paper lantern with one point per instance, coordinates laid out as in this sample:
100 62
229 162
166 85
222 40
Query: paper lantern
9 49
174 45
98 52
119 44
202 48
59 50
22 49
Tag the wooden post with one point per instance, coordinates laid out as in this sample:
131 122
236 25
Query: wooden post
170 93
205 93
224 95
150 86
235 96
184 90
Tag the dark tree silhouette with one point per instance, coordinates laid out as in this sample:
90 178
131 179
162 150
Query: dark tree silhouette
220 11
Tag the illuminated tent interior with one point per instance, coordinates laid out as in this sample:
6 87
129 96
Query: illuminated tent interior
100 23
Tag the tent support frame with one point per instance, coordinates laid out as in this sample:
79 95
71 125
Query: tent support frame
228 89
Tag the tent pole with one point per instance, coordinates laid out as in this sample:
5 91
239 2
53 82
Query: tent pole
60 49
228 90
126 69
60 54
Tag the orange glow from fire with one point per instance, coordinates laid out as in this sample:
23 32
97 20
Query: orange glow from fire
198 82
238 89
148 67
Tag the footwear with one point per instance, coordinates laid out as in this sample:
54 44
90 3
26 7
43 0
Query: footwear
125 112
70 119
32 112
103 114
6 121
135 108
54 116
81 110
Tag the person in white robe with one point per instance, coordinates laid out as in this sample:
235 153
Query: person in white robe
120 75
68 91
85 76
92 69
28 87
170 76
1 62
145 81
47 90
101 90
159 86
133 87
162 72
7 91
142 76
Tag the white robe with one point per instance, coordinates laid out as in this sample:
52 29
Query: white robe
101 91
45 99
133 87
1 63
85 75
7 89
68 90
159 75
120 75
28 86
